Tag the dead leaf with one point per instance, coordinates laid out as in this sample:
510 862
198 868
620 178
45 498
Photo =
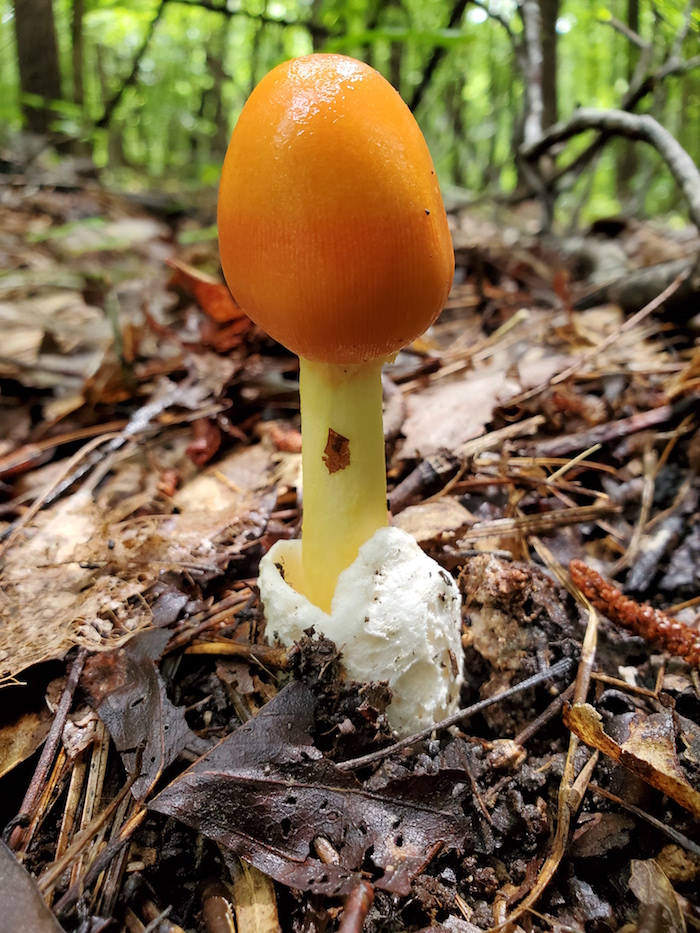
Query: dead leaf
266 793
447 415
53 341
656 896
649 751
77 580
20 738
212 296
598 833
229 481
129 695
434 521
21 905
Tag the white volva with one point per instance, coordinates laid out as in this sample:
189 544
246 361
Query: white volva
395 616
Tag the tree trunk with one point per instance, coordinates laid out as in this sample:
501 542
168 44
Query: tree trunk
37 57
628 162
76 28
549 14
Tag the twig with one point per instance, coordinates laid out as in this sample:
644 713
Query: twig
571 790
614 430
661 540
266 655
669 831
604 344
51 490
537 524
114 101
48 753
357 907
436 56
545 716
53 872
560 669
439 465
625 31
649 461
103 859
643 83
186 395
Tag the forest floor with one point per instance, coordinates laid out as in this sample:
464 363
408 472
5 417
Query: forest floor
543 446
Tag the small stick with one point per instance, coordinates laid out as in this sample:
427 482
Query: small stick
357 907
48 754
672 833
53 872
217 908
267 655
75 892
559 669
553 710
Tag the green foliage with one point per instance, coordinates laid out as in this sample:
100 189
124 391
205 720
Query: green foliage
196 66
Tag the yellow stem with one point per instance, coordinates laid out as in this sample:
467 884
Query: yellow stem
344 470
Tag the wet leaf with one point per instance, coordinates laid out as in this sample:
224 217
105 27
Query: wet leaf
128 692
601 833
266 793
21 905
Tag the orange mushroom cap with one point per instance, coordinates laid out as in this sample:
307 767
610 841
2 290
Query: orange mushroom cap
332 231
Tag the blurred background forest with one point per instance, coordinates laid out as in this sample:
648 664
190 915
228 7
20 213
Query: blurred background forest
150 89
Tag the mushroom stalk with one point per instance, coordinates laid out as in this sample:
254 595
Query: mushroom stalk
344 469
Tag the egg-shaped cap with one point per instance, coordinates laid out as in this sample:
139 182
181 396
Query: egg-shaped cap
332 231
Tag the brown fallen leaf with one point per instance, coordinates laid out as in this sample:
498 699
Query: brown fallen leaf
128 693
212 296
656 896
21 905
265 792
649 750
437 520
21 737
598 833
76 579
446 415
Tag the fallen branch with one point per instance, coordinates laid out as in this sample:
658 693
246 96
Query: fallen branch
639 288
633 126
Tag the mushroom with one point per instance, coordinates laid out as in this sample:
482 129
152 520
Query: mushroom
334 239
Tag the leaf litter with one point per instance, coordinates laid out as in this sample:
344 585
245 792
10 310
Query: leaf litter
149 457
